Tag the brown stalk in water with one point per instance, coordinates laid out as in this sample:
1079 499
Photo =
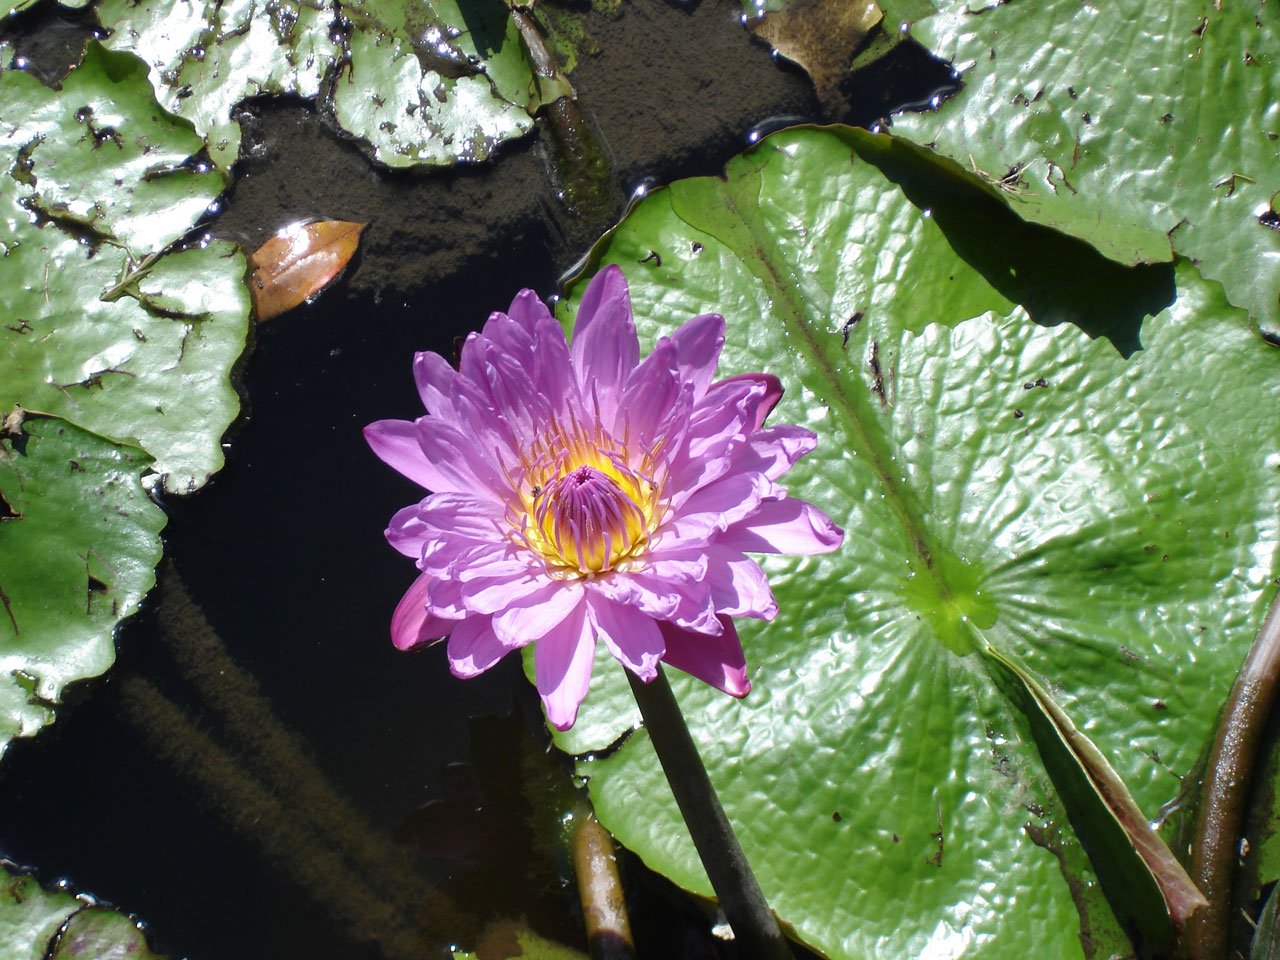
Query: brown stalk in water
604 910
1225 791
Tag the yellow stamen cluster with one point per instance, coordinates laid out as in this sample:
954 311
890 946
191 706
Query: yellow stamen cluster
584 509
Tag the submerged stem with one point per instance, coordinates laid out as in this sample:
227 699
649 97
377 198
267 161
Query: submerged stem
754 925
1226 789
604 910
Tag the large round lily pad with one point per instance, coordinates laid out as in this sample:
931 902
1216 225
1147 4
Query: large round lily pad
1040 495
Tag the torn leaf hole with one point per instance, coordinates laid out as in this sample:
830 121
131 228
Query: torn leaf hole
849 325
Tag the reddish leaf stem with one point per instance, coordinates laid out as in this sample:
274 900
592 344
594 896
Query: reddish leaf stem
1225 790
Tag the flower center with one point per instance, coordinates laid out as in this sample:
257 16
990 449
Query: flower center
586 520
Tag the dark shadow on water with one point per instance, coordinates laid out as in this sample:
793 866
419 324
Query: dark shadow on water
1056 278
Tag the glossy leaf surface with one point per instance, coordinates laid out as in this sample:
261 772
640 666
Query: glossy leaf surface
1145 131
411 116
206 57
129 349
99 330
1022 477
79 541
298 262
36 924
99 156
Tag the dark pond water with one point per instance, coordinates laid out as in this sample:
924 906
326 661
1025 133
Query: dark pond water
262 775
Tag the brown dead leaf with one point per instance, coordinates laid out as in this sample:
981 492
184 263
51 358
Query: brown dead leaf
298 262
12 424
821 36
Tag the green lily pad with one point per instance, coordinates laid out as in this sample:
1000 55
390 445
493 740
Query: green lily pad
100 157
130 348
207 57
1144 134
893 29
99 186
1021 481
36 924
424 83
79 541
411 116
459 37
29 916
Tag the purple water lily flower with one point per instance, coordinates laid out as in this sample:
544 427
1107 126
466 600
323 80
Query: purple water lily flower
579 494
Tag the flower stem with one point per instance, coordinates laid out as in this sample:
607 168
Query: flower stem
1226 789
754 926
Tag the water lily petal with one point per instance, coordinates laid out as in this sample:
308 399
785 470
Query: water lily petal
536 614
411 625
407 533
562 667
784 526
626 589
396 443
579 494
528 310
718 426
458 463
605 347
633 638
462 515
686 602
739 588
769 395
780 447
552 372
492 594
434 377
507 335
485 560
717 660
652 390
716 507
473 647
699 342
444 599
